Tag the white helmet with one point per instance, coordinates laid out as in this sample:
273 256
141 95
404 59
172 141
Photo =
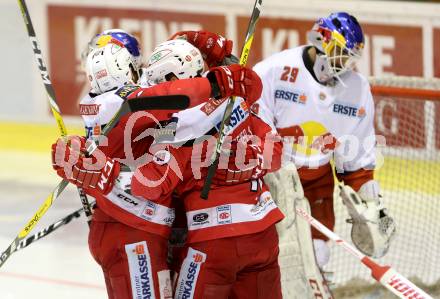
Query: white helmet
117 36
110 67
174 57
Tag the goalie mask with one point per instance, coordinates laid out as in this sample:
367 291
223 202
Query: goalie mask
339 40
372 227
110 67
174 58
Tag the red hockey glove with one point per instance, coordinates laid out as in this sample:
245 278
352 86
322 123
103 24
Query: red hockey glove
244 163
235 80
214 47
96 172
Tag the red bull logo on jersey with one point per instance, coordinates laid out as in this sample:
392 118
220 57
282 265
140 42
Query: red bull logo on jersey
348 110
139 264
310 138
265 203
291 96
211 105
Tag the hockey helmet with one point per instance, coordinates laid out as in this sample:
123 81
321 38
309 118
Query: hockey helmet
117 36
340 39
110 67
175 57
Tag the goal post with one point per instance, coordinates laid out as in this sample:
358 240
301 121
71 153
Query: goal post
407 116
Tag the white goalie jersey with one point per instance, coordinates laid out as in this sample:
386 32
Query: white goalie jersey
322 120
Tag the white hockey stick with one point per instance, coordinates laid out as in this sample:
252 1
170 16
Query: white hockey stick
387 276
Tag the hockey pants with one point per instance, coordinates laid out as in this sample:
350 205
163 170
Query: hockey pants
133 261
242 267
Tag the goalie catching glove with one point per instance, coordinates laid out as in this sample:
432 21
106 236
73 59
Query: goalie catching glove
372 227
70 162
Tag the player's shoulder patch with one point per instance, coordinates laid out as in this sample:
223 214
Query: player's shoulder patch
89 109
211 105
126 90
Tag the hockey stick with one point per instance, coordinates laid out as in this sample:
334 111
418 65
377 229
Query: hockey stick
50 93
387 276
228 110
34 220
174 102
47 230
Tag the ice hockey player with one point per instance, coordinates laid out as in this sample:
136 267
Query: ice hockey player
253 264
127 259
232 243
313 95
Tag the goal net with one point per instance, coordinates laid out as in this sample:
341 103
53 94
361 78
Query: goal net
408 117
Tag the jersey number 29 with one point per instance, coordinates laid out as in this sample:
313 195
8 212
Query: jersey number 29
289 74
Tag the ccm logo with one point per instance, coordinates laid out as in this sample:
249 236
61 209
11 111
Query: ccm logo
229 74
106 174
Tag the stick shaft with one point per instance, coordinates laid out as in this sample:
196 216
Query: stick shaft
50 91
176 102
230 105
49 229
34 220
387 276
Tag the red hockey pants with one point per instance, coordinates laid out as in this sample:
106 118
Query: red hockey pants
133 261
243 267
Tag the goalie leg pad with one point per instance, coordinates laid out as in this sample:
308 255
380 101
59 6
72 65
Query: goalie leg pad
300 275
315 278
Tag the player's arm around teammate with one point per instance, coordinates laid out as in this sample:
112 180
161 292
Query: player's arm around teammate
128 241
117 201
232 244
